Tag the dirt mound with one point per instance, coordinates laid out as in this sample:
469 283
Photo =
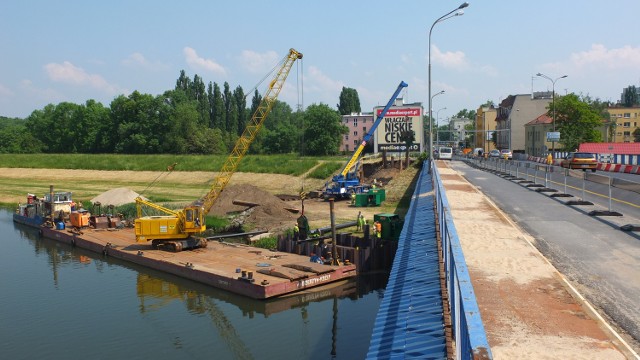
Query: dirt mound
116 197
270 214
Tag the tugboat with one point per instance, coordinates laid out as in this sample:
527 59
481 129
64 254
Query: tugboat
37 211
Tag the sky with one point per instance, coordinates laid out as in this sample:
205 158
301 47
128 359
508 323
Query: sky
76 50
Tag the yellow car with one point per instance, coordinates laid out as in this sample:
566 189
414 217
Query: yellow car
580 160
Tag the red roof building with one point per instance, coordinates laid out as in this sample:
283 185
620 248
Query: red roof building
611 148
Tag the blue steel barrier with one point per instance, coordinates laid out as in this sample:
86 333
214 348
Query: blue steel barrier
468 329
410 321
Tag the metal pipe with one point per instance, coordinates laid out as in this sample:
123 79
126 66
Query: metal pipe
334 253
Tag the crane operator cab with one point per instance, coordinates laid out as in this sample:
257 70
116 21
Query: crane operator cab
194 219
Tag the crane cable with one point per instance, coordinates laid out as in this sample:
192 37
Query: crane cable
267 75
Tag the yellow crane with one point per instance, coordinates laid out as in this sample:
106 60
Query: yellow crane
175 229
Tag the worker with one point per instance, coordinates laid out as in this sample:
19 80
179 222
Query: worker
377 228
353 197
360 222
315 258
549 159
296 232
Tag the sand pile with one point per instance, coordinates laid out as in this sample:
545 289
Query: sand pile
270 214
116 197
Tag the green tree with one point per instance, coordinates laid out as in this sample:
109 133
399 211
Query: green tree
241 106
216 102
15 138
630 96
137 128
324 130
277 131
577 120
198 93
466 114
470 135
183 83
349 101
231 111
636 135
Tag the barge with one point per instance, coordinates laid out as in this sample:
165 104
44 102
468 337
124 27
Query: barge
241 269
237 268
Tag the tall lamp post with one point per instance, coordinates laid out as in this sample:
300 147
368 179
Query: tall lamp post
438 125
553 104
441 18
431 122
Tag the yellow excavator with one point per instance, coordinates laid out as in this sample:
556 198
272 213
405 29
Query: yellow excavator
174 231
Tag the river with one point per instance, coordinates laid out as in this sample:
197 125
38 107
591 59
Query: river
57 301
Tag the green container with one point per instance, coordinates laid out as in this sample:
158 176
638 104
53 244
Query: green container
362 200
391 225
373 197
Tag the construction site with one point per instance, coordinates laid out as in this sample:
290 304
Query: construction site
174 238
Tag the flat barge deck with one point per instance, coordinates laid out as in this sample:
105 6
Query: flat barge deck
241 269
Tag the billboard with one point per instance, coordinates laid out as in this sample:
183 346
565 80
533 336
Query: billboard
397 120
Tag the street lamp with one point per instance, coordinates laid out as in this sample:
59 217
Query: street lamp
553 104
441 18
431 122
438 124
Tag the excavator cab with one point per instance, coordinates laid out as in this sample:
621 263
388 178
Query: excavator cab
194 219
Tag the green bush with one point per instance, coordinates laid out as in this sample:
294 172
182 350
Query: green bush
266 243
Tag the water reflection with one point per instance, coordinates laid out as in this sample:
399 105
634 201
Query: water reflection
334 321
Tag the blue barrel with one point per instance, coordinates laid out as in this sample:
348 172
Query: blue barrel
60 225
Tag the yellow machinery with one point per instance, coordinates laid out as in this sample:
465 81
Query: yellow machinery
175 229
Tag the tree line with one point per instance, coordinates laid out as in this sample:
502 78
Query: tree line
190 119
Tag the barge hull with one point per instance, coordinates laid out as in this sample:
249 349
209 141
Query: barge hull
34 222
232 267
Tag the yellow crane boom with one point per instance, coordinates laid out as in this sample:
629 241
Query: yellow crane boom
251 130
181 224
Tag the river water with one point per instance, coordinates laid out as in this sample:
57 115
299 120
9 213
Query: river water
61 302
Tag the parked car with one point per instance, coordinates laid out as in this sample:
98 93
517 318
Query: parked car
580 160
495 153
445 153
507 153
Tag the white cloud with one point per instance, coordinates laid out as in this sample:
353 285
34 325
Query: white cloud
600 56
321 81
5 91
200 63
71 74
137 59
449 59
257 63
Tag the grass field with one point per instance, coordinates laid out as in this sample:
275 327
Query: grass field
289 164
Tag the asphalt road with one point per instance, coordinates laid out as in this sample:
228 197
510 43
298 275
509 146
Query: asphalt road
599 259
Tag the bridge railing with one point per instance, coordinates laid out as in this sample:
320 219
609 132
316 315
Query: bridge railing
467 327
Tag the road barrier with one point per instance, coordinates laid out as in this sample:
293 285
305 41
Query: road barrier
498 165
